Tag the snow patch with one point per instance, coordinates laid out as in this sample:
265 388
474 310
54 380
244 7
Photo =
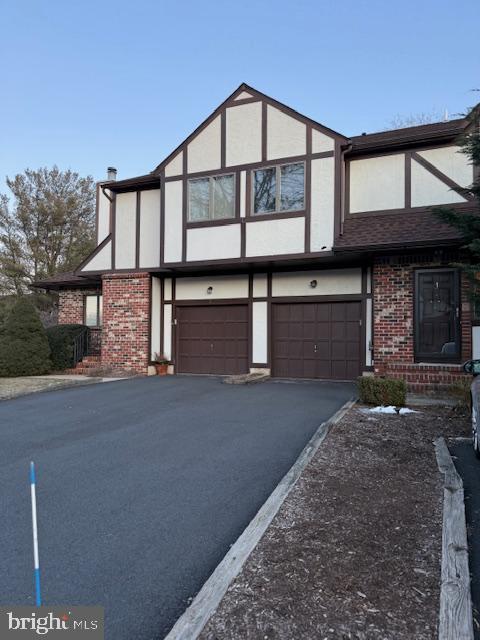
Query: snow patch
390 409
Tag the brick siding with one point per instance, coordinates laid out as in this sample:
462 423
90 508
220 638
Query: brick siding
126 321
71 305
393 304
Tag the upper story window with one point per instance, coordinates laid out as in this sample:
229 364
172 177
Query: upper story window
211 198
93 310
278 189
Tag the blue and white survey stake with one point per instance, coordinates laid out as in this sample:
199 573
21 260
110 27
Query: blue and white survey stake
38 597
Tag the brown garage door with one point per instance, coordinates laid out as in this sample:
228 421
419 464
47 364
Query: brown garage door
212 339
316 340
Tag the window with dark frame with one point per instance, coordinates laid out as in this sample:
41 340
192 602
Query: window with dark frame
211 198
437 315
279 189
93 310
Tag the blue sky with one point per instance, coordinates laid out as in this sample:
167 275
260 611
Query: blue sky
86 84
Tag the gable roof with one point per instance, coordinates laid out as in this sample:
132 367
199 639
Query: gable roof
256 96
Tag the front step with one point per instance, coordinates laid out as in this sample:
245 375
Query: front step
85 366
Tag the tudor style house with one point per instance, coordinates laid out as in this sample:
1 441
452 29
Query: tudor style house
268 241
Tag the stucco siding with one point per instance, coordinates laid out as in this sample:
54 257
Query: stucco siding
322 204
103 221
203 152
167 331
452 162
321 142
223 287
175 166
149 228
260 285
167 288
259 332
377 183
125 230
102 261
213 243
286 136
275 237
329 282
244 134
173 221
243 193
428 190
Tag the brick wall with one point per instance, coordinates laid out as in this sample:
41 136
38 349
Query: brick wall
126 321
393 303
71 305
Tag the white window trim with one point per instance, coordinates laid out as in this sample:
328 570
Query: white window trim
278 189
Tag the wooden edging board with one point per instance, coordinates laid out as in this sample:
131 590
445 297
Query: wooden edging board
456 620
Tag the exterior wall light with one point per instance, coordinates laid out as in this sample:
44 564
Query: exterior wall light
209 290
313 284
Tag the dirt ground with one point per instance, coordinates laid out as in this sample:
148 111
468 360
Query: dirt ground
354 553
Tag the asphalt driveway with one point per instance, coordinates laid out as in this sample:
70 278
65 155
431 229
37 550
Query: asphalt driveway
143 485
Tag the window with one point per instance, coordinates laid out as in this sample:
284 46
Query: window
280 188
211 198
93 310
437 321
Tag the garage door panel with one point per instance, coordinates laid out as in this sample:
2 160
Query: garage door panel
353 311
322 312
319 340
212 339
338 350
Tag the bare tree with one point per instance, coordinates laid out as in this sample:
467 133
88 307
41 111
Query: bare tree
401 122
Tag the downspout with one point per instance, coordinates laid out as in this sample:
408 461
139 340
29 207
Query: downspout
343 185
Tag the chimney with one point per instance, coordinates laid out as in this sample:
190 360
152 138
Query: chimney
111 174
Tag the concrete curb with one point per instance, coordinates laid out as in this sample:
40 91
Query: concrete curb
456 619
193 620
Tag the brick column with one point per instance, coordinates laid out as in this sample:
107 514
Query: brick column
71 305
126 321
393 314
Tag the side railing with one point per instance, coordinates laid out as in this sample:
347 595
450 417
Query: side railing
80 346
87 343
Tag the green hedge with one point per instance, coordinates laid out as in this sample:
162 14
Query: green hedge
24 348
61 339
382 391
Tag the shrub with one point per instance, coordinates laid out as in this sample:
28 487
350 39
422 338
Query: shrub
24 348
61 339
461 391
382 391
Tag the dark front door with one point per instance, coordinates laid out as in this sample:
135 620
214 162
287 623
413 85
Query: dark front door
212 339
316 340
437 315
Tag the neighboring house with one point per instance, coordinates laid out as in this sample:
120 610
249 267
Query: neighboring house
268 241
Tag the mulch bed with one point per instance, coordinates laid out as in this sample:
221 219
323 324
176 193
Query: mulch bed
355 551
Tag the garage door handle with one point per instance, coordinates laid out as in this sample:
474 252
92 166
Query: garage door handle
211 346
314 348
